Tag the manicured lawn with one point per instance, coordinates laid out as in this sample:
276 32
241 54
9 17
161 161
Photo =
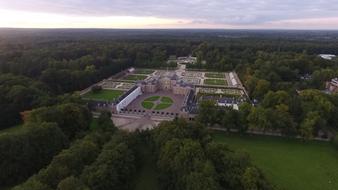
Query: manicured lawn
214 75
147 105
135 77
164 103
143 71
165 99
287 163
162 106
152 98
106 95
215 82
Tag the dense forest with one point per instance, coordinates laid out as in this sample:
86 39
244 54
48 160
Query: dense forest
55 147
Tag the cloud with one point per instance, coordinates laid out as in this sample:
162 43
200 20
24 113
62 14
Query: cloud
209 12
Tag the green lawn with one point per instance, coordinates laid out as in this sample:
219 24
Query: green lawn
215 82
162 106
290 164
147 105
135 77
106 95
143 71
152 98
164 103
165 99
215 75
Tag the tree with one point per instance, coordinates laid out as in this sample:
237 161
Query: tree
262 87
71 118
113 168
96 89
253 179
259 119
72 183
207 113
310 122
27 150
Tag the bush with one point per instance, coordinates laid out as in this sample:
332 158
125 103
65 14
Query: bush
96 89
335 142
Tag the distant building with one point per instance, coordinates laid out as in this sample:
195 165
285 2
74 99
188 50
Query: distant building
327 56
187 60
228 102
332 86
131 69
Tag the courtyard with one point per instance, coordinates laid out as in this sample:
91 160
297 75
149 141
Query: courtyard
162 103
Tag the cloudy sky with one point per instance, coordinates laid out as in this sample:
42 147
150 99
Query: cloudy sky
244 14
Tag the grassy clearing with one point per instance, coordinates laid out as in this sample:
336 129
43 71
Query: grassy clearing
135 77
287 163
143 71
105 95
215 82
147 105
214 75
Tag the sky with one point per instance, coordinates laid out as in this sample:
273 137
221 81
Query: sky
220 14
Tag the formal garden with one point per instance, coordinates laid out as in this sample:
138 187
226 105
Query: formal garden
219 82
135 77
144 71
157 103
214 75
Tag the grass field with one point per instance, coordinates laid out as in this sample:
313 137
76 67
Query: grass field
214 75
215 82
290 164
106 95
152 98
165 99
143 71
147 105
135 77
162 106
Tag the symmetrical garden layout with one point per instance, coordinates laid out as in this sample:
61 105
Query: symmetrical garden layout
167 93
157 102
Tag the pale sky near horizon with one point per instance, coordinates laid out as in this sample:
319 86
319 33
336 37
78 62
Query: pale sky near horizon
243 14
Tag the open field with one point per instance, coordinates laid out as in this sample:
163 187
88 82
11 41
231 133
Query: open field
287 163
215 75
105 95
135 77
215 82
144 71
